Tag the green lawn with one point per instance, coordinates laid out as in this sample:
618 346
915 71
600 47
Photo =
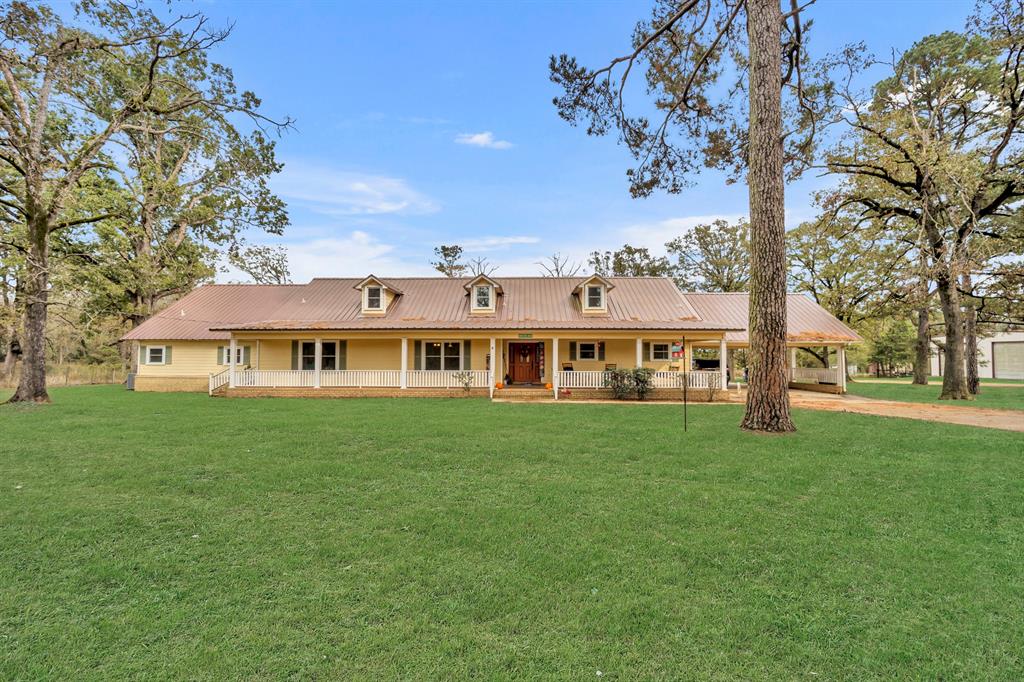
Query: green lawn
179 536
1001 397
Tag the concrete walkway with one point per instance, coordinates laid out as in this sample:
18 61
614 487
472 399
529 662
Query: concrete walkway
1009 420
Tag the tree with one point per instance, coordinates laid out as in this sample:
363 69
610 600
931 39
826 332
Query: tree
713 257
67 93
629 261
448 261
938 142
890 344
480 266
191 186
557 265
737 126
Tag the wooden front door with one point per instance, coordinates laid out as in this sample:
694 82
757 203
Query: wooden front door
523 364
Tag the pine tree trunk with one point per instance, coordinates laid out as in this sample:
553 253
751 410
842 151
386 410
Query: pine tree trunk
954 384
32 384
971 341
767 395
922 349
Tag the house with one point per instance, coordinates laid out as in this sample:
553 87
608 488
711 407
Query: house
429 336
1000 356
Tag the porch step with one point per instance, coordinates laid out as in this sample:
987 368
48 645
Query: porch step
523 394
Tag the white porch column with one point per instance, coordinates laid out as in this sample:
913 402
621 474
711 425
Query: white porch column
318 355
639 352
403 381
723 363
842 367
688 352
494 372
500 352
556 367
232 353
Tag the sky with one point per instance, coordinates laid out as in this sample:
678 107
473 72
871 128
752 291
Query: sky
419 124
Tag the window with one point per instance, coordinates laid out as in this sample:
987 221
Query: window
308 355
155 355
239 355
586 350
595 296
442 355
328 355
660 351
374 298
482 296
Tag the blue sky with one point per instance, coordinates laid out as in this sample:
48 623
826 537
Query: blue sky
419 124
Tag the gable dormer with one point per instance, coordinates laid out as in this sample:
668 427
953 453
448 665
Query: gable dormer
483 295
377 295
593 294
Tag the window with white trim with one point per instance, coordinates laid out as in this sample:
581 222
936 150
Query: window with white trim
374 298
660 351
595 296
483 297
239 355
586 350
156 355
328 355
442 355
307 353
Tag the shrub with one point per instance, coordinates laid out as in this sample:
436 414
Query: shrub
643 382
620 382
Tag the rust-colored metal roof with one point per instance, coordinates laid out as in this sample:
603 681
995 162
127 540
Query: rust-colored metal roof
213 305
806 321
650 303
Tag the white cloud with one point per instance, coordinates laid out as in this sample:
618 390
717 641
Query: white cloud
484 139
654 235
356 255
335 192
495 243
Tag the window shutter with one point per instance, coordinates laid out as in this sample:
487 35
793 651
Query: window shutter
220 356
342 361
295 354
600 350
417 355
167 355
647 350
572 351
247 355
467 354
143 355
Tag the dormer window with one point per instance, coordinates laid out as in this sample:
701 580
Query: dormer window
377 295
483 292
483 296
592 293
374 298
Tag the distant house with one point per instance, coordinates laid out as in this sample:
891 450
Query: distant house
1000 356
472 336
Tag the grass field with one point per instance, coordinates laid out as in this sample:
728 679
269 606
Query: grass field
1000 397
179 536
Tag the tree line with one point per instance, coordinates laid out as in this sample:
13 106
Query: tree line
131 167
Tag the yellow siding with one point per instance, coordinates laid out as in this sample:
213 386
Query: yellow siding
275 354
376 354
188 358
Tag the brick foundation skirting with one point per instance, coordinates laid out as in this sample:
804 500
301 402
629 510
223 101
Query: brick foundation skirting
697 395
158 384
817 388
336 392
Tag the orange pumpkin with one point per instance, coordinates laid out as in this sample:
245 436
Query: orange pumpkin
548 386
499 385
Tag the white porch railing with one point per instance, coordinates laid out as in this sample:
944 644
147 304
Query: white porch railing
351 378
361 378
815 375
665 379
274 378
431 378
219 379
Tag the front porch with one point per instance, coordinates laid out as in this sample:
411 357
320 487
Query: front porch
559 367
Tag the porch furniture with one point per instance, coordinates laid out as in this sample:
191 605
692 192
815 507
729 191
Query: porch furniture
567 367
